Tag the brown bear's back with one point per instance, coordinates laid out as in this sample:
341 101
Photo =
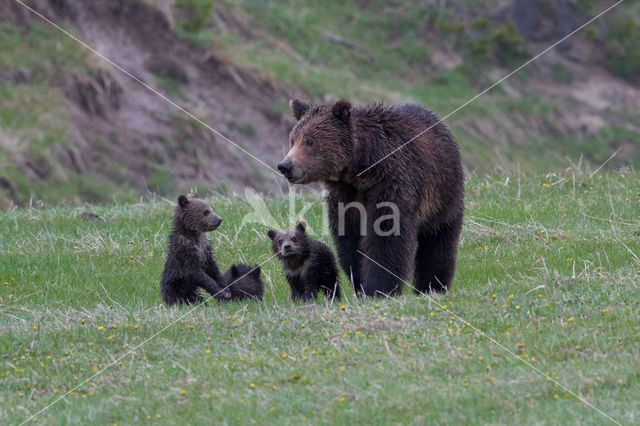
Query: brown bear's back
427 162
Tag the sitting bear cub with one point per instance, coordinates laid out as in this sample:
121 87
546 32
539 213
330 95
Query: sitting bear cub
190 262
309 265
244 282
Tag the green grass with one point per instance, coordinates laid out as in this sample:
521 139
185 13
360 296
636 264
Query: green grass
547 266
41 56
34 130
169 85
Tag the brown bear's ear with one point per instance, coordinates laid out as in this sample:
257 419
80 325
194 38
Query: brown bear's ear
183 201
342 111
234 271
271 234
299 108
301 227
255 272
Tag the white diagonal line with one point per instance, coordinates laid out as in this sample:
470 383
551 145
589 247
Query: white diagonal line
491 87
115 361
147 86
500 345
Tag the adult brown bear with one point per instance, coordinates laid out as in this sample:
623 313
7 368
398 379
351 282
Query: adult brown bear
387 214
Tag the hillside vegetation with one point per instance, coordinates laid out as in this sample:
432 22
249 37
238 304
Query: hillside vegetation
73 127
548 267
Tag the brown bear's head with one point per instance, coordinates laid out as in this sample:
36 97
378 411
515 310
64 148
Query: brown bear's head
240 272
195 215
290 242
320 142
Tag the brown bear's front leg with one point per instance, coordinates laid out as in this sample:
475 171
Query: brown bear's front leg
212 270
390 245
211 267
345 229
201 279
297 288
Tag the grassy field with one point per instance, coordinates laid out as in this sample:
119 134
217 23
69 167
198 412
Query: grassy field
548 267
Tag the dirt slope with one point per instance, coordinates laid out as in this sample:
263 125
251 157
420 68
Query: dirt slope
117 121
103 133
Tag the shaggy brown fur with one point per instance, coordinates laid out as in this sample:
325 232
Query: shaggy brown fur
244 282
335 143
190 262
309 265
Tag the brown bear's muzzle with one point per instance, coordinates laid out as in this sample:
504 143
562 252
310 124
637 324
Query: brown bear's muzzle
215 223
288 171
285 168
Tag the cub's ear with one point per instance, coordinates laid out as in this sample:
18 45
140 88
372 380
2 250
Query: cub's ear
255 272
183 201
301 227
271 234
342 111
234 271
299 108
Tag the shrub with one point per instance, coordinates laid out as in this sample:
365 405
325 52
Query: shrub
623 48
478 42
195 14
583 6
561 73
449 29
479 48
481 24
509 46
502 44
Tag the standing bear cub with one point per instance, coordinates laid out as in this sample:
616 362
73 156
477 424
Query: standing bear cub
395 190
190 264
309 265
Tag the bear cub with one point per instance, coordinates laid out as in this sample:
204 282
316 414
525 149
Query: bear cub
190 264
244 282
309 265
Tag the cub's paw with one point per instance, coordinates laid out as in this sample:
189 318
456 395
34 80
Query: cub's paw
309 295
224 294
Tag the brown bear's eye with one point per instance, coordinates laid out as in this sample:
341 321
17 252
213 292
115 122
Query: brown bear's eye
308 142
279 242
294 239
205 213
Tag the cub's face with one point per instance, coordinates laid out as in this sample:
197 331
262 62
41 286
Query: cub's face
320 143
290 242
196 215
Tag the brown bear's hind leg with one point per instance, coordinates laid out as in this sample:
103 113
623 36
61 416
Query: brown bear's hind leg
436 258
169 295
179 293
391 256
385 276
